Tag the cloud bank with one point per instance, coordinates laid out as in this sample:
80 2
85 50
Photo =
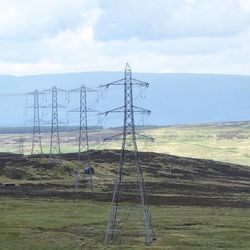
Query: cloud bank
195 36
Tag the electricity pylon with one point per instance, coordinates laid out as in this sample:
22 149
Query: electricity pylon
55 147
36 147
130 202
20 145
36 138
83 140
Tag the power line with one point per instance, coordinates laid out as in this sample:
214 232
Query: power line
12 94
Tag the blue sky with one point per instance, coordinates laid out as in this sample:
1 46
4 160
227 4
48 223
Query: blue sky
193 36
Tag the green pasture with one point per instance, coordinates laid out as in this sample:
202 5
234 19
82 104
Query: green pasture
65 224
221 142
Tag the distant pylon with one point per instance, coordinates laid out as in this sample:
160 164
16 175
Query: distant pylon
54 134
129 184
20 145
83 140
36 138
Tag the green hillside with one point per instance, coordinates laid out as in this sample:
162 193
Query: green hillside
196 204
227 142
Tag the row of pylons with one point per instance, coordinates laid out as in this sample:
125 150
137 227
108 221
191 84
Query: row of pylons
130 206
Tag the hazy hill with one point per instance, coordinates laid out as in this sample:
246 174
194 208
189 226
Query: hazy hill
172 98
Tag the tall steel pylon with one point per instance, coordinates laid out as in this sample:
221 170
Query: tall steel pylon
83 140
130 202
55 148
36 138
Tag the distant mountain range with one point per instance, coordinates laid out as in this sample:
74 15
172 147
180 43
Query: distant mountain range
172 98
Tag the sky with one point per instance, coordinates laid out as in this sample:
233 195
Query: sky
155 36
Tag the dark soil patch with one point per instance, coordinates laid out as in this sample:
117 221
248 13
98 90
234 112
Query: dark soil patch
190 182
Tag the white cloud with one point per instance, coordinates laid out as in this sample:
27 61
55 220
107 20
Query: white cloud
190 1
160 36
33 19
245 5
162 19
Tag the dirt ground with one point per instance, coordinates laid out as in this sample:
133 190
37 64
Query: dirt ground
170 180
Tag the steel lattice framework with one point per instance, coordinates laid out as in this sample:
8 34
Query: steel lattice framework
129 184
54 134
83 140
36 138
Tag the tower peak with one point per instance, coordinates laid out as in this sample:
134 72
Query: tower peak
127 68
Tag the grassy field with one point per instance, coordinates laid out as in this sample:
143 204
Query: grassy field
50 222
59 224
223 142
201 216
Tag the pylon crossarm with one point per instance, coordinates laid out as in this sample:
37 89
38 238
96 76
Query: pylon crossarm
89 110
113 137
77 90
118 82
58 106
36 91
49 122
116 110
58 90
144 137
139 136
141 110
139 83
32 106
